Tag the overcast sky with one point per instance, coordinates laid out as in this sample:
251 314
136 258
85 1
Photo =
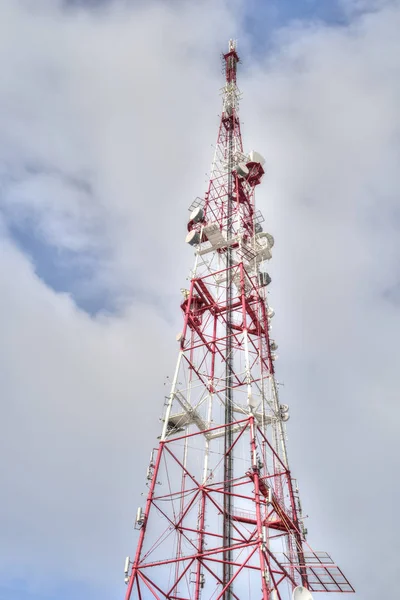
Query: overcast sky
108 111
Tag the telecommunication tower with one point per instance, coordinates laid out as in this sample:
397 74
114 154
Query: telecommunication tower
223 518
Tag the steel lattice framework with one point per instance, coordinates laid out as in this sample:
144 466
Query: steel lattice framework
223 517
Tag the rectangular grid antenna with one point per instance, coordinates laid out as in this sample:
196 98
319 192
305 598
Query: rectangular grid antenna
322 573
196 202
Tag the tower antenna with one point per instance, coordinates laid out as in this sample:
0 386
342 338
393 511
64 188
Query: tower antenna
223 518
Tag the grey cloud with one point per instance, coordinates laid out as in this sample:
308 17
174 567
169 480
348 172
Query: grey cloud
327 103
107 98
120 99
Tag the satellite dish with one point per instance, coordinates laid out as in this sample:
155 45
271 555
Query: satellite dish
266 239
197 214
193 238
242 170
301 593
256 157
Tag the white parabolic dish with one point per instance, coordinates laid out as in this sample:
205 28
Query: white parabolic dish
301 593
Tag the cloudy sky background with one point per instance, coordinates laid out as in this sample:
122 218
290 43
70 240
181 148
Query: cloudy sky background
107 115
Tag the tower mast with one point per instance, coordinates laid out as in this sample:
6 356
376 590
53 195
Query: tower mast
231 124
223 519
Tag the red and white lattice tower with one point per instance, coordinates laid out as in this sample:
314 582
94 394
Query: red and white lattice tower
223 517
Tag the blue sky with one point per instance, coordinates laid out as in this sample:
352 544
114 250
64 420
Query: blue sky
20 590
262 19
119 108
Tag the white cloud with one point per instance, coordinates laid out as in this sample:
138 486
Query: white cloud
79 403
107 98
123 100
